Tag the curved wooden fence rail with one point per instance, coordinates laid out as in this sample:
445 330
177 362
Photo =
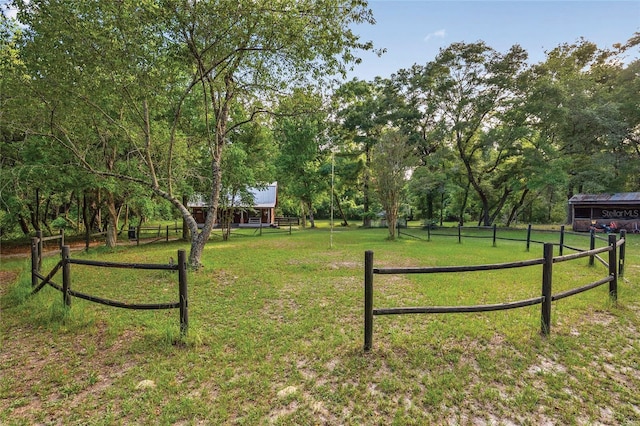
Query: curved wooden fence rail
38 281
615 267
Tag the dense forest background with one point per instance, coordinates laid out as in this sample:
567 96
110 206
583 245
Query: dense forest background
113 112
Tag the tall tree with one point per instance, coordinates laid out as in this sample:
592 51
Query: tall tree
392 160
137 65
475 90
361 116
300 130
579 100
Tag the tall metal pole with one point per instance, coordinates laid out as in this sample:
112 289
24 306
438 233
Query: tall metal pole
332 194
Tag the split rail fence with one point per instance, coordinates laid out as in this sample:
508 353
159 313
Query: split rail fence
39 281
615 264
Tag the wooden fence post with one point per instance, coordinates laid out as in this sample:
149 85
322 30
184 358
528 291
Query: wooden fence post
459 233
561 239
528 236
183 294
61 238
623 236
66 276
368 300
138 234
547 278
167 233
34 261
494 234
613 269
592 245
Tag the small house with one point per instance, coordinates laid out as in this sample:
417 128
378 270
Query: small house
261 212
606 211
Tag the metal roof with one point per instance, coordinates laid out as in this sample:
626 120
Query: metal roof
265 198
617 198
262 198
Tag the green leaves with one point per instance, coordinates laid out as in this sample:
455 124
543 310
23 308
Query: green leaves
392 160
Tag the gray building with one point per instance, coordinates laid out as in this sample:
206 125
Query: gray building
606 211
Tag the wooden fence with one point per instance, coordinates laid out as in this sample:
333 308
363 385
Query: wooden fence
38 281
259 230
287 220
458 231
615 266
39 246
281 226
152 233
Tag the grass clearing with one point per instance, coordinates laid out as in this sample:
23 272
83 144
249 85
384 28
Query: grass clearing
276 335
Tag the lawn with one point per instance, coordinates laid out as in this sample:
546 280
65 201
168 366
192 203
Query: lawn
276 337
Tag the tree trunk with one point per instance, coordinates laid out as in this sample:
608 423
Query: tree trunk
24 225
79 213
500 206
36 219
516 207
199 237
45 220
463 207
125 222
303 214
33 217
112 221
392 219
312 221
195 254
430 206
227 218
94 224
98 216
344 218
185 227
85 216
485 208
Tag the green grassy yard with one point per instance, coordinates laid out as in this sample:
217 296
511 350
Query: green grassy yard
276 337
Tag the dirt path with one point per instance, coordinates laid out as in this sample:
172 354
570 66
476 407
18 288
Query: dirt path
22 251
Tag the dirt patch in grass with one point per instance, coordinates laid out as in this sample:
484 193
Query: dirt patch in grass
345 265
46 375
7 278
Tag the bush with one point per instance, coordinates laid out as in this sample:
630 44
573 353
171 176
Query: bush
59 223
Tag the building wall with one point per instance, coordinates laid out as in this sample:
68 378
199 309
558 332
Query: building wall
623 216
266 215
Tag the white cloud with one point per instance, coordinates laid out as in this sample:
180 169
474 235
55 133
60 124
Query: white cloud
436 34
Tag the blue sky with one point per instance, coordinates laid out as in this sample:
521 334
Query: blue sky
414 31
